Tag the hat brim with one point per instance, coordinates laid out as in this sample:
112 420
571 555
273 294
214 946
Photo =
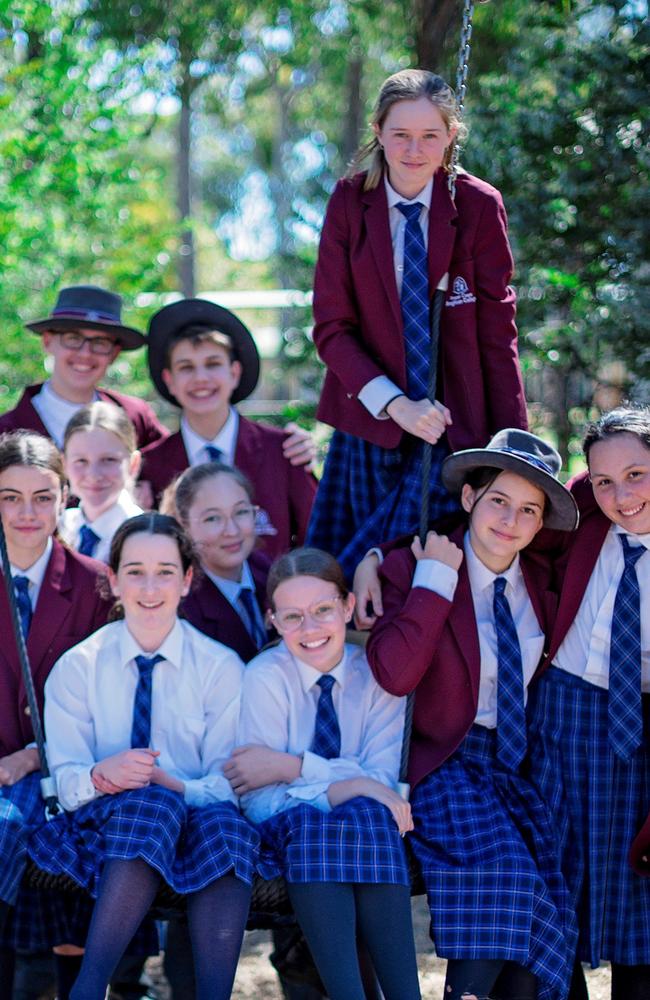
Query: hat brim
166 323
562 510
128 338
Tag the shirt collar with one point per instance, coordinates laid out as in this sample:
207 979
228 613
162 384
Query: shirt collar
226 439
424 196
232 588
107 523
171 648
36 572
309 676
633 539
481 578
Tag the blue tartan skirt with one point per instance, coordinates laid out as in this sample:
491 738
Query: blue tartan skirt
41 918
357 841
490 863
599 803
189 846
368 495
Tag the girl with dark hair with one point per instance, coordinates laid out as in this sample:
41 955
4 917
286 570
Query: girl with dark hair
317 770
140 719
59 605
390 234
590 711
463 627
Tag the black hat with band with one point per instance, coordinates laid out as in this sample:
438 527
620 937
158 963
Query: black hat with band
87 307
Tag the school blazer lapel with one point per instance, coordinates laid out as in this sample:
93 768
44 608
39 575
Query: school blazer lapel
214 607
52 608
462 623
247 448
442 230
580 565
377 225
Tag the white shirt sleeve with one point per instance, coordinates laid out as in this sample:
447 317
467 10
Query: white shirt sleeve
436 576
377 394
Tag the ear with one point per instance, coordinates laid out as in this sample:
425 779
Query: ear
187 582
467 498
452 133
112 582
46 338
135 463
236 370
167 377
377 130
348 607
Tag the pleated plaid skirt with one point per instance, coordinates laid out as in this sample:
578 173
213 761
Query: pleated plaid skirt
369 495
357 841
41 918
190 847
599 803
490 863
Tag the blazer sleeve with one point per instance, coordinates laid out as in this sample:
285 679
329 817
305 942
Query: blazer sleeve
302 490
403 641
497 331
337 333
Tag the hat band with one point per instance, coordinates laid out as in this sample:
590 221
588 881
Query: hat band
92 315
531 459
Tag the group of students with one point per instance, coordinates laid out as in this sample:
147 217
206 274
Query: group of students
517 624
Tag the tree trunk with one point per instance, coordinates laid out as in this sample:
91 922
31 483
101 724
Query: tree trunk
433 21
353 124
184 192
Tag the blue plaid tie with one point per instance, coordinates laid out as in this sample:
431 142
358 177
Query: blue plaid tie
214 454
624 707
87 540
415 302
250 615
511 717
21 589
327 735
141 727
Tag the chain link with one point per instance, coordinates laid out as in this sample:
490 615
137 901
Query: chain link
462 71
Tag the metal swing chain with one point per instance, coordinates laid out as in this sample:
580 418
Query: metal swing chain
462 71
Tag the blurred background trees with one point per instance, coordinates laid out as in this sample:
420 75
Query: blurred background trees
156 149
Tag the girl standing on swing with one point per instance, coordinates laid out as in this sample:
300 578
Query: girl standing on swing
391 233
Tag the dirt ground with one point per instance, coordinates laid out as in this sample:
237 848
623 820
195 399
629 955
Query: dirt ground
256 979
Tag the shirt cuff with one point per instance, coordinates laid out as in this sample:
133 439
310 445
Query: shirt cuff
377 394
436 576
315 795
84 790
314 768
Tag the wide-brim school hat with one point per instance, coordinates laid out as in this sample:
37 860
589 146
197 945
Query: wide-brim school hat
90 307
167 323
513 450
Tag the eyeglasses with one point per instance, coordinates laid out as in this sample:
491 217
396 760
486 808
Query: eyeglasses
243 517
291 619
74 341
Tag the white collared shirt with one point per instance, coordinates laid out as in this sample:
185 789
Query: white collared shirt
105 525
89 698
55 411
279 704
586 646
377 393
442 579
226 440
35 573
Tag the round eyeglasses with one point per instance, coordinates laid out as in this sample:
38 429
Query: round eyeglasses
291 619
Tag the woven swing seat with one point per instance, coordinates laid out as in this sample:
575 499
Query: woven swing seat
269 907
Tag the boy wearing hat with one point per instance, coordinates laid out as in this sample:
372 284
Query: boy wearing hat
204 360
83 335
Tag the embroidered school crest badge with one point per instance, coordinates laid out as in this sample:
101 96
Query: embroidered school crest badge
460 294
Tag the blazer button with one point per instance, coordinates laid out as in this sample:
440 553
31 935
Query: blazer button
645 859
28 710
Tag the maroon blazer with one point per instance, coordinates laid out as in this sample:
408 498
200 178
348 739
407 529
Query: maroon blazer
574 558
425 643
286 492
640 850
207 609
68 610
148 428
358 323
